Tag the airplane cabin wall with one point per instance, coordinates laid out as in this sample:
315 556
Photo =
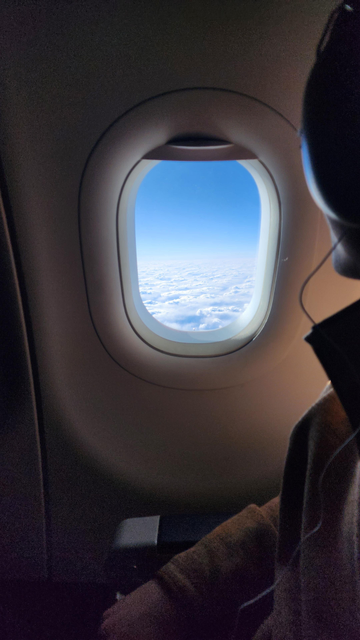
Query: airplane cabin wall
119 446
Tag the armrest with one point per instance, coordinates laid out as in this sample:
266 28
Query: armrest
143 545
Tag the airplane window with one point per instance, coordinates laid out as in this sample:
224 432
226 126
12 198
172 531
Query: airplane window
197 229
198 245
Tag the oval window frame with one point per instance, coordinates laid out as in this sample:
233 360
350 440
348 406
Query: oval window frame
222 114
200 343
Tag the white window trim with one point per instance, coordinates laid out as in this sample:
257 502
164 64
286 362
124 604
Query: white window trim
249 125
200 343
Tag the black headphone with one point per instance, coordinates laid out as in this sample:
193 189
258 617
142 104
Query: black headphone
331 118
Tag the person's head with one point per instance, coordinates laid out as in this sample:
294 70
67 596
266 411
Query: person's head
331 134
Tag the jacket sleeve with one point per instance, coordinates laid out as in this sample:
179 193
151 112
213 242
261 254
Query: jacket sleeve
197 594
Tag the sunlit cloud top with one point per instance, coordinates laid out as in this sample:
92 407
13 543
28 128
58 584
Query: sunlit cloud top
198 295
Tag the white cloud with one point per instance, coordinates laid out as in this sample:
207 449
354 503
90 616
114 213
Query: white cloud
196 295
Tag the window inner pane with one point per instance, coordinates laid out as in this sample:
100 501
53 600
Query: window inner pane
197 227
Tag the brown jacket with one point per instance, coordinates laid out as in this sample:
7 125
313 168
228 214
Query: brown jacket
197 594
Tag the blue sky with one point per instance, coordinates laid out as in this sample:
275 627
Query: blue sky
197 210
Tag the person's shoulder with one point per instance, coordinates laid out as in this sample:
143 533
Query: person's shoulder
326 420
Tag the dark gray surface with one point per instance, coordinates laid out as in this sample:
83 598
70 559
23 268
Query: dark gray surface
22 521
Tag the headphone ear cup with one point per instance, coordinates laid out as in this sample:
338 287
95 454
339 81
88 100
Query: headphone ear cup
331 118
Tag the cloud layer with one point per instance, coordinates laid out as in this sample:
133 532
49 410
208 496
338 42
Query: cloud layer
196 295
